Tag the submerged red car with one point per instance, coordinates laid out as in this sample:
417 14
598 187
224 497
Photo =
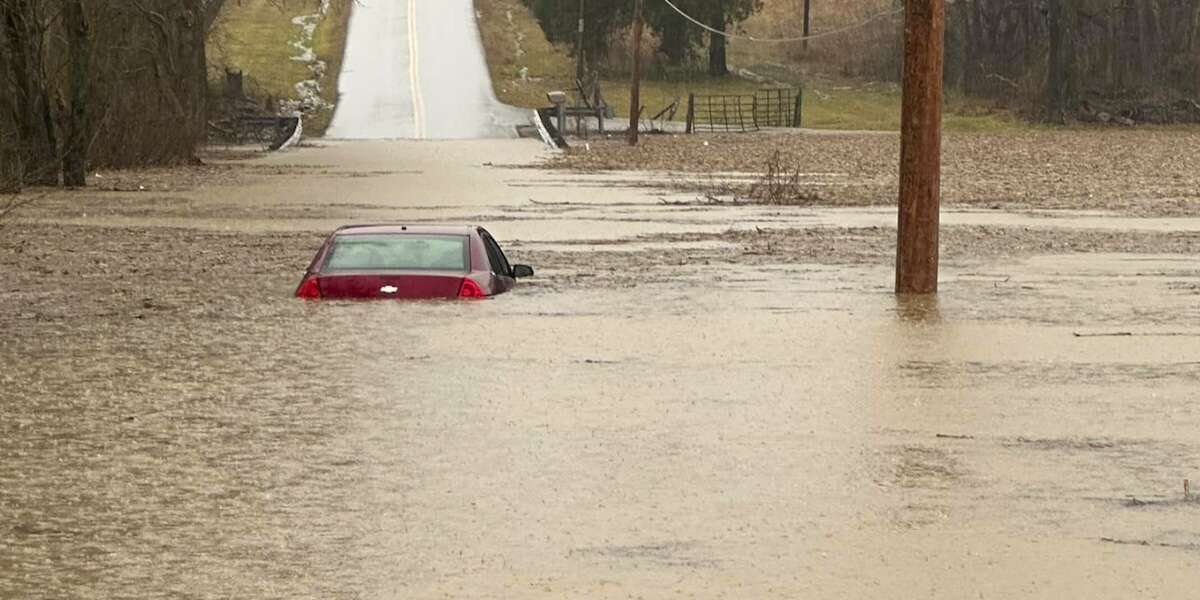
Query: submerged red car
362 262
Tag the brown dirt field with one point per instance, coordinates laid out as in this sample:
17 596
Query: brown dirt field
1143 172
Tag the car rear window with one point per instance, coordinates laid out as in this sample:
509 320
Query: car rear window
366 252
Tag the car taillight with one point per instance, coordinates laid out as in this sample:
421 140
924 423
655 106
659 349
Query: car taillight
470 289
309 289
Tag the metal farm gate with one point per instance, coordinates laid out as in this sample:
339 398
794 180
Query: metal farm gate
720 114
743 113
777 107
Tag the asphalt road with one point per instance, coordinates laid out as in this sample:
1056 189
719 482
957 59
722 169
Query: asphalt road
415 69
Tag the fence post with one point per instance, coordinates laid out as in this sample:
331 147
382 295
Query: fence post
691 115
234 84
799 110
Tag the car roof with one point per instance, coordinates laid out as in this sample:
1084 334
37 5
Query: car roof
398 228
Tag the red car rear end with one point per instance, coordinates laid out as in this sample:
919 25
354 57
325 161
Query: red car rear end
366 262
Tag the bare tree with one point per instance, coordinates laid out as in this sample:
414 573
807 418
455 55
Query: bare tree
11 203
78 130
11 164
1140 57
26 26
101 83
1060 89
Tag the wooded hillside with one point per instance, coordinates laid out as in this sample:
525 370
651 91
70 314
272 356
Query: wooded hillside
99 82
1127 52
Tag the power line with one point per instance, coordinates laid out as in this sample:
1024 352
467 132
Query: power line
735 36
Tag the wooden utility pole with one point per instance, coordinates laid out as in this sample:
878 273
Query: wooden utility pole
807 22
579 64
635 100
921 147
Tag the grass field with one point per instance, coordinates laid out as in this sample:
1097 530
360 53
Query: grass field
255 36
514 40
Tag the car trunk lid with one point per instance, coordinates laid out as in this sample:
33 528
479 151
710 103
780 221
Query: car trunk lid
406 286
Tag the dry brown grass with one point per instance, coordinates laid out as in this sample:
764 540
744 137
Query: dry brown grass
871 51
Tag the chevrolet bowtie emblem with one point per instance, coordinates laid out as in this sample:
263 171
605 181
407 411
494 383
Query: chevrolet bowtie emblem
389 289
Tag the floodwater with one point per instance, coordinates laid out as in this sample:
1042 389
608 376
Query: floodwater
175 425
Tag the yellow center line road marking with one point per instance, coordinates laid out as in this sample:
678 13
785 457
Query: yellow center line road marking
414 73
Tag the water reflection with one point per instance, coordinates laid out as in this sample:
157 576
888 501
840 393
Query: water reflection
918 308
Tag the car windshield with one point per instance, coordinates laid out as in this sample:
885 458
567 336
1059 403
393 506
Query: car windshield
401 252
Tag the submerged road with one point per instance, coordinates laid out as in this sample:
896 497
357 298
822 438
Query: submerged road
650 416
415 69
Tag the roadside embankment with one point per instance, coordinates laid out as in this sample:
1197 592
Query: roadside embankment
289 52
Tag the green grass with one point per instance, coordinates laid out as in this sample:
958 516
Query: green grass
255 36
828 106
655 95
516 44
828 103
329 43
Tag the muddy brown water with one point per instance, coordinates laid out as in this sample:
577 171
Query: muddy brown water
174 425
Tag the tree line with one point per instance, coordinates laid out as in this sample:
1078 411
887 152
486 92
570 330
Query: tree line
1067 52
1053 59
100 83
679 40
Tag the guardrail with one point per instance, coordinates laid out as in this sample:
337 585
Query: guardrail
274 133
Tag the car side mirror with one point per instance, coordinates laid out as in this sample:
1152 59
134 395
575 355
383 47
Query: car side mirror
520 271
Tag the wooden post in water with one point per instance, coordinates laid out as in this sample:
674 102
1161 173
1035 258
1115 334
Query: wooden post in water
920 148
635 100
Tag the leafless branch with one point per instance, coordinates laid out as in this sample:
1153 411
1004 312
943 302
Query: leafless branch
14 202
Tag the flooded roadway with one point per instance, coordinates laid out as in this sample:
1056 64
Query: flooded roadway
624 426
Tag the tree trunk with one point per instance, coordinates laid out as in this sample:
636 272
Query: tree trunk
10 156
78 131
1059 84
1111 53
1134 75
674 42
35 134
1031 33
198 75
209 11
1147 42
962 14
1194 49
975 48
10 168
11 165
717 63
